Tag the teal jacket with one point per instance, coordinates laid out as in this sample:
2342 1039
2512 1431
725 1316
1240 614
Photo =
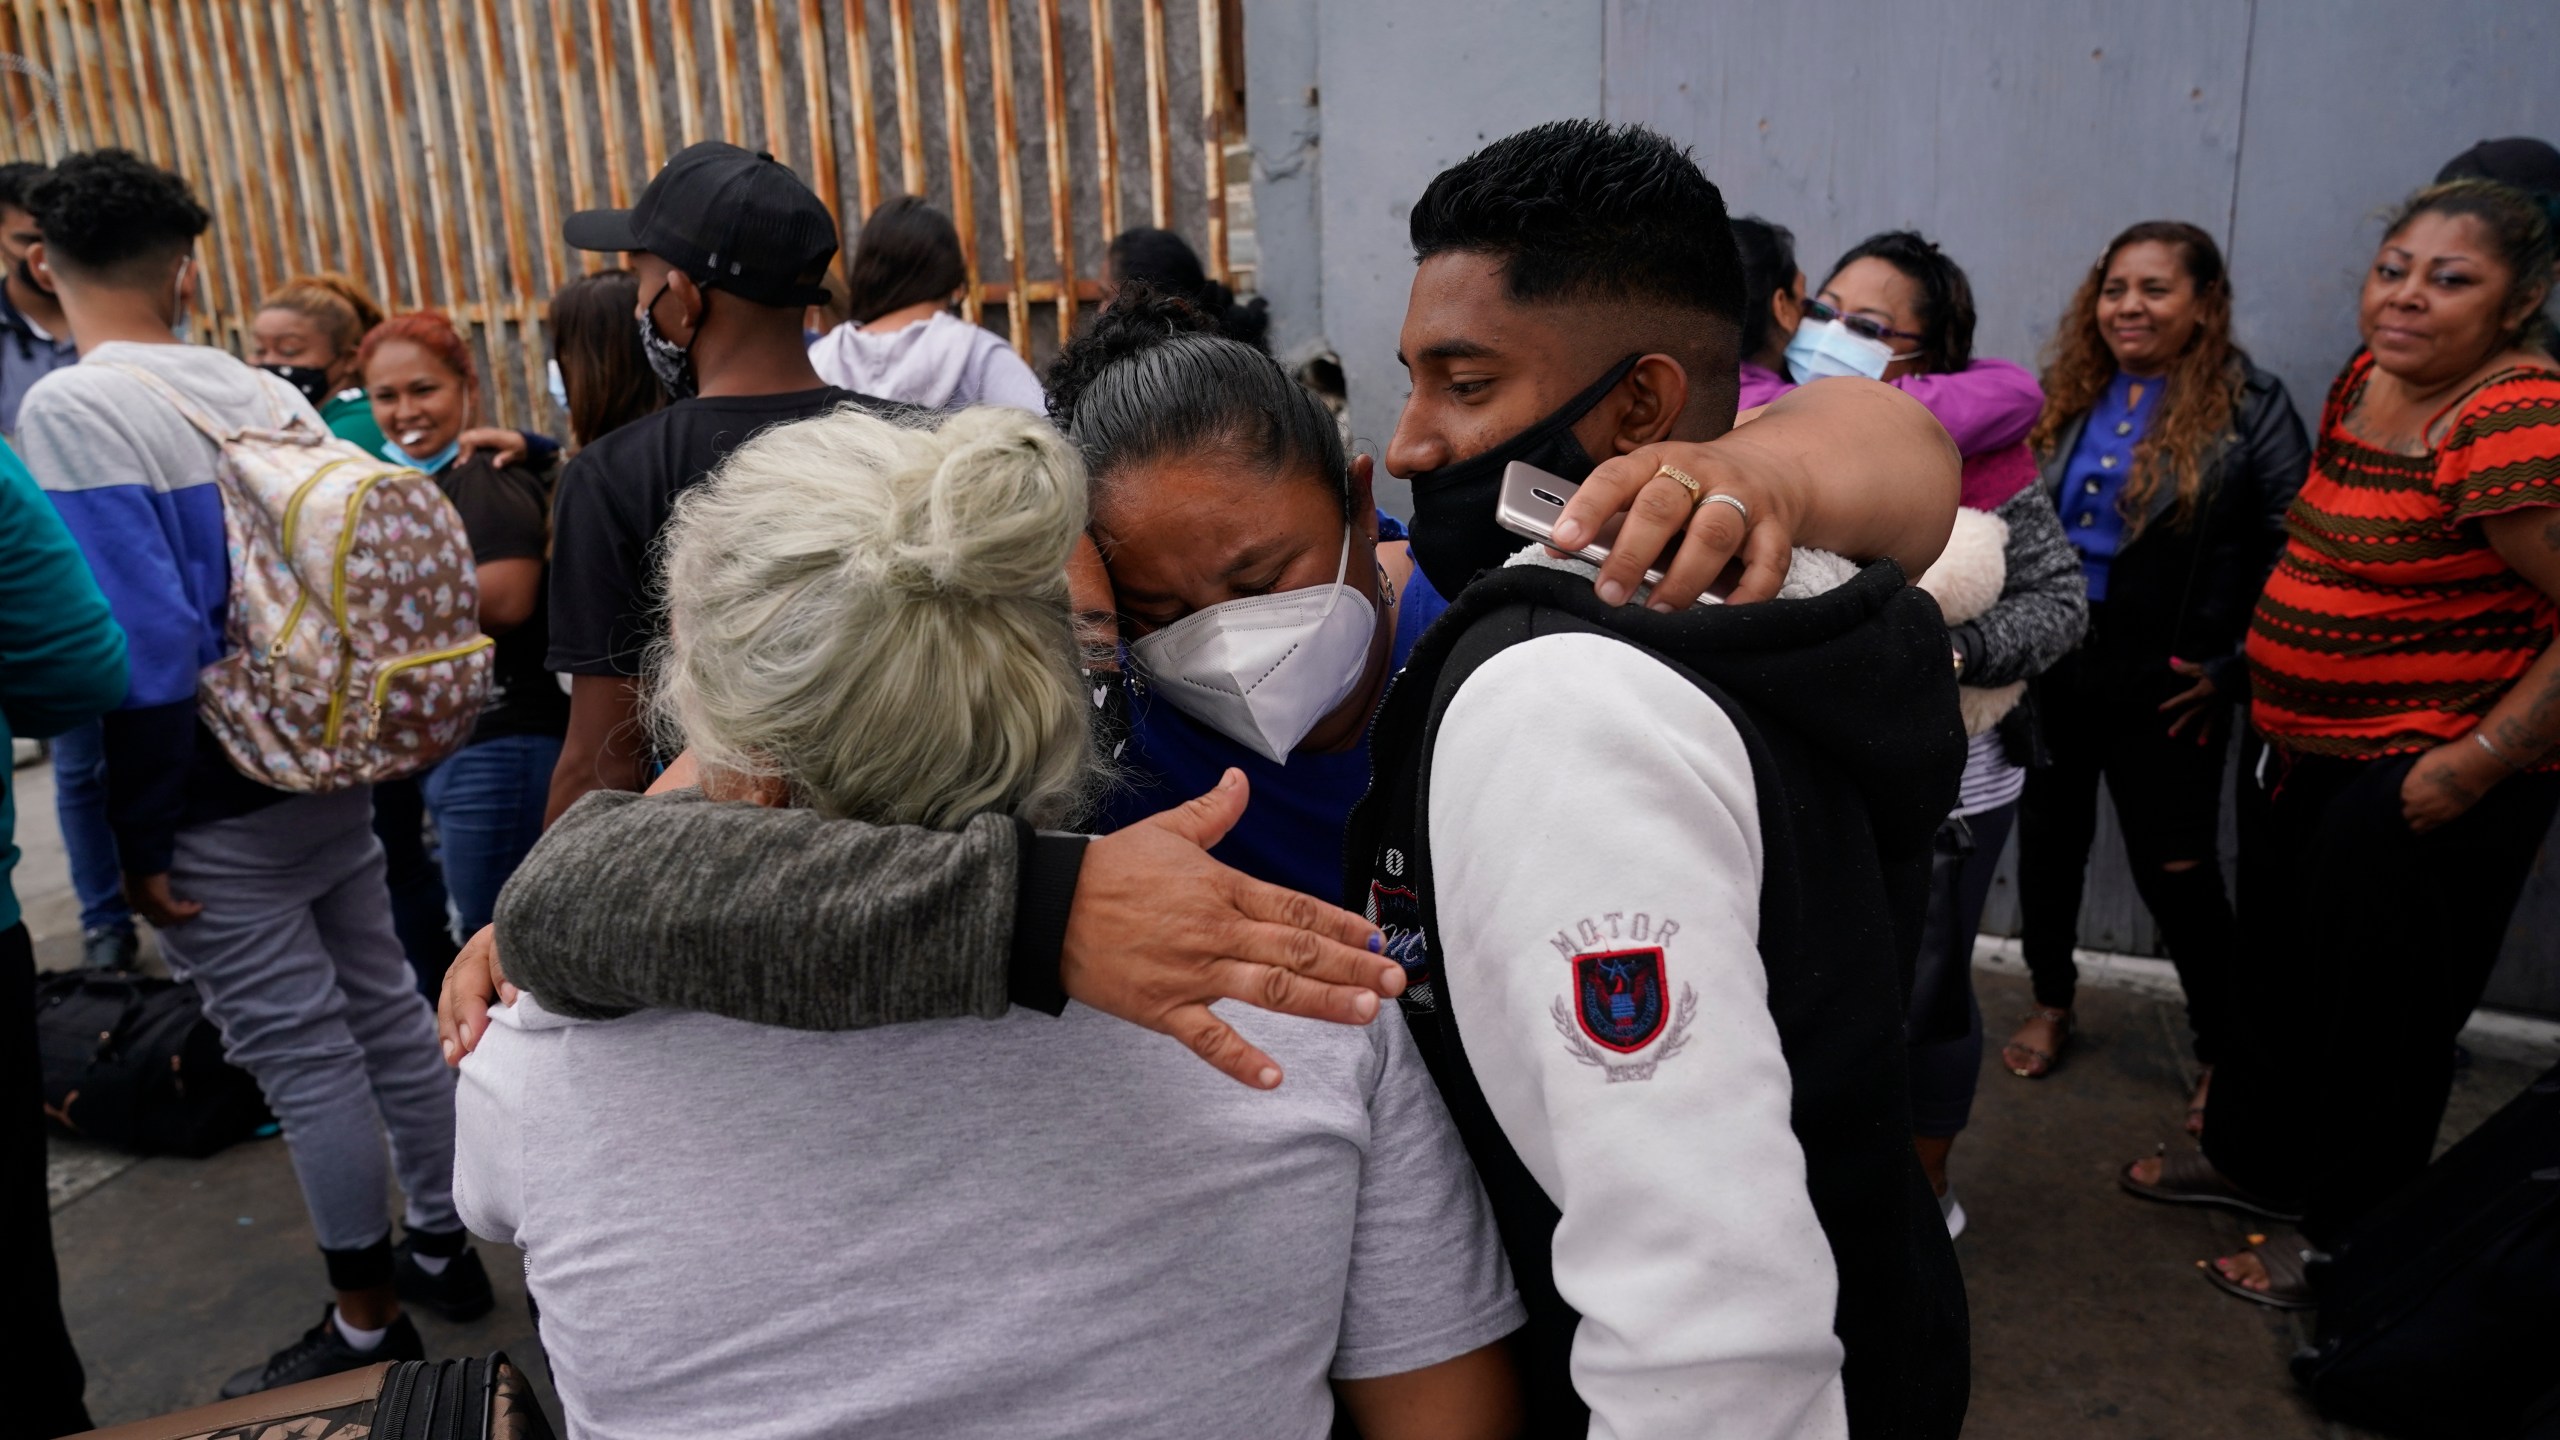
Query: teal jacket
61 653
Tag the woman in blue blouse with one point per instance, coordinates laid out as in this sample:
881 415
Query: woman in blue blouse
2172 460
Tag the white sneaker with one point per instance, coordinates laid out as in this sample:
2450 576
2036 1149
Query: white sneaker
1952 1213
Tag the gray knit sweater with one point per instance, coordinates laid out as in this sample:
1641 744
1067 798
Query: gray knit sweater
2044 599
781 917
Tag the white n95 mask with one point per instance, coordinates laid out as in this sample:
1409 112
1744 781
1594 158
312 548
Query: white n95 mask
1824 348
1264 669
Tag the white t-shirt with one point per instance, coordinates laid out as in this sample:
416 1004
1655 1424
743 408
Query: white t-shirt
1024 1226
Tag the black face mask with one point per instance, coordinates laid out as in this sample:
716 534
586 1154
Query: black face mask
670 362
311 380
1455 536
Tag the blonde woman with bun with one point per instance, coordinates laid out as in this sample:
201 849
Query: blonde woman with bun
973 1227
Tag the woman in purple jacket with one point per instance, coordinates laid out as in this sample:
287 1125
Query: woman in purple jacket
1788 339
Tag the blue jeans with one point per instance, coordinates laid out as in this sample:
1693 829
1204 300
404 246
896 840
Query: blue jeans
488 800
80 802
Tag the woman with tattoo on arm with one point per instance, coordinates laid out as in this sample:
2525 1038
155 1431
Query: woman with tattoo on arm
2407 684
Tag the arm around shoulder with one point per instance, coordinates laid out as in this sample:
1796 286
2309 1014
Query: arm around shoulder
780 917
1869 471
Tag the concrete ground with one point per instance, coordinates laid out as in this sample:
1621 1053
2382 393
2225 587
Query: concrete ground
2089 1318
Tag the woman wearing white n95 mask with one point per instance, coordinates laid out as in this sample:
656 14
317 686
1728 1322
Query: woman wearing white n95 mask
1266 600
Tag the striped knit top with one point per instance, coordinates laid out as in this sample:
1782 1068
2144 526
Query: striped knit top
2390 625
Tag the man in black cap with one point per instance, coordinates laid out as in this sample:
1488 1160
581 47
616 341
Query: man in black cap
730 248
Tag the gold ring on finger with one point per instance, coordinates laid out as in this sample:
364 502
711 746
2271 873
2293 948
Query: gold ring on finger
1687 482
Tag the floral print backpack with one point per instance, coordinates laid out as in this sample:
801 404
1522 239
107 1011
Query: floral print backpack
355 651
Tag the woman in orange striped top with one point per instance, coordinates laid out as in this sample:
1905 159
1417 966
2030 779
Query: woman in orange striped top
2407 689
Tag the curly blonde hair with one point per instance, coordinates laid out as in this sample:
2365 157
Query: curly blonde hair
2202 388
877 616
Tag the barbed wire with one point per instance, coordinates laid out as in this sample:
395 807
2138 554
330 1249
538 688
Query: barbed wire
15 64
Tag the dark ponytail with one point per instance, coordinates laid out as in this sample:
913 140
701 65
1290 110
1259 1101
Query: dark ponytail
1153 377
1165 263
907 254
1768 271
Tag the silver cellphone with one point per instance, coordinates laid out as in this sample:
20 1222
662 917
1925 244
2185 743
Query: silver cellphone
1533 500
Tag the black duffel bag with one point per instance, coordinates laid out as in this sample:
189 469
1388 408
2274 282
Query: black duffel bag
131 1061
2440 1313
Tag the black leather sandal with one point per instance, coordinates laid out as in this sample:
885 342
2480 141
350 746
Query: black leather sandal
2187 1178
2288 1277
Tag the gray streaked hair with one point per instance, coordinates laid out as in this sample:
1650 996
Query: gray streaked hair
877 615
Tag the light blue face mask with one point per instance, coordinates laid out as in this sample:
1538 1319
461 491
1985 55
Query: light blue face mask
431 464
559 387
1824 348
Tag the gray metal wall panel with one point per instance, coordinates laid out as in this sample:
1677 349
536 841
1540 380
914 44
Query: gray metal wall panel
2019 134
2351 108
1285 126
1409 88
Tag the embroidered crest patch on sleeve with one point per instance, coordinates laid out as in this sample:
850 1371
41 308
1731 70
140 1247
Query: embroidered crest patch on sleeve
1620 1004
1618 997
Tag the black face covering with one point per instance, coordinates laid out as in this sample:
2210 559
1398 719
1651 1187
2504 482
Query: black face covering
311 380
1455 536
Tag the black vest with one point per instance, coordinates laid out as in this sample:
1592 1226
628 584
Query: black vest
1847 708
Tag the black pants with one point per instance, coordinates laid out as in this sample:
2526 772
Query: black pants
2168 793
416 879
41 1375
2367 947
1944 1021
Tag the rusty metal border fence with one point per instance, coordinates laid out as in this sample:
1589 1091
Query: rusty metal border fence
430 148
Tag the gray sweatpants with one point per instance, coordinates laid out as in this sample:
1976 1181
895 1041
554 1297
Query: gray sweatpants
296 963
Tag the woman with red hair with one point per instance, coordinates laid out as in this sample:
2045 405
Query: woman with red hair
487 798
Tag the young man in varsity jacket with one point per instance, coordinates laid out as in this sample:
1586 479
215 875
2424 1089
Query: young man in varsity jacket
1657 873
1728 1119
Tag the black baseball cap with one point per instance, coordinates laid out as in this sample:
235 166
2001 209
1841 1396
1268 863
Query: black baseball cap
2527 164
734 220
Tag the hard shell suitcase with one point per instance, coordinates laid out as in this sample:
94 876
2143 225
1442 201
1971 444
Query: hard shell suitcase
482 1398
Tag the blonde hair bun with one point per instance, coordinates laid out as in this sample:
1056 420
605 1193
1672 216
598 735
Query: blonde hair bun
877 614
997 511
